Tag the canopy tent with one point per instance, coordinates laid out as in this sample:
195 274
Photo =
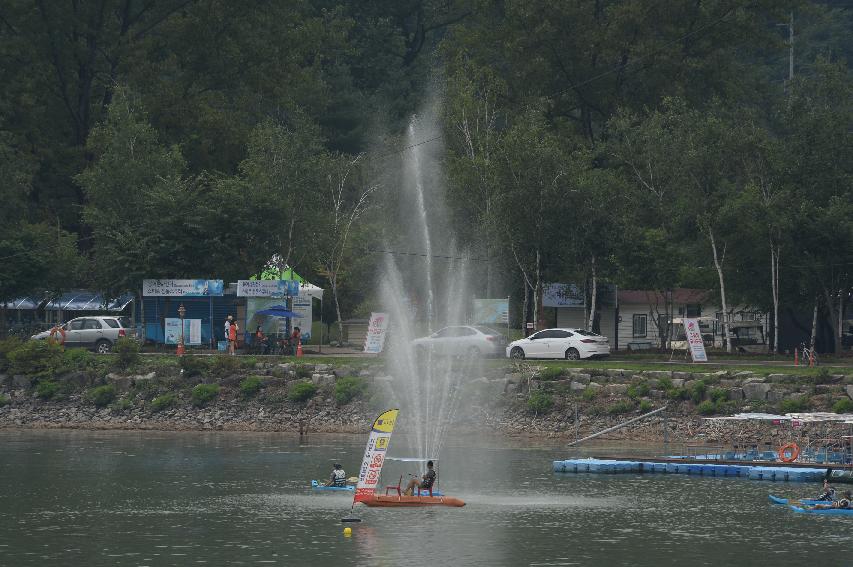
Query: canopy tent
277 311
79 300
88 301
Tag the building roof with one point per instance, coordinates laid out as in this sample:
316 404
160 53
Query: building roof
678 296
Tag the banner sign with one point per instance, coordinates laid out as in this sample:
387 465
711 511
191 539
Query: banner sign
491 311
192 331
267 288
374 455
182 288
694 340
302 306
375 340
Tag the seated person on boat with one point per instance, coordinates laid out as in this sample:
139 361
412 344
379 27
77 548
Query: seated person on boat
425 484
844 503
338 476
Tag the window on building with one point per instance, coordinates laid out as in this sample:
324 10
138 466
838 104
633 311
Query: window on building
694 311
639 327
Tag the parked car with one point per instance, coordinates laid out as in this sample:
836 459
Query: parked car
96 332
572 344
461 340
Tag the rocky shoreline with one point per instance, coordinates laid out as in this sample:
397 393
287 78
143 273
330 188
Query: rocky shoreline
575 402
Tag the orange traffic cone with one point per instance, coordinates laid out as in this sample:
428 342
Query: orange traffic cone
299 348
796 357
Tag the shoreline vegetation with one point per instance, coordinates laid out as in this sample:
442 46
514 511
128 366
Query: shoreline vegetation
44 386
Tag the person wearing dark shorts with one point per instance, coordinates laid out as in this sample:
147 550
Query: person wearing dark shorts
425 483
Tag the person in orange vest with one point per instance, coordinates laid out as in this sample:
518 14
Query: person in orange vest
295 337
232 338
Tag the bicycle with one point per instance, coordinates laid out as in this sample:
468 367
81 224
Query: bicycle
808 355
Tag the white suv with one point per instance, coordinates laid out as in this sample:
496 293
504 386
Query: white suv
99 332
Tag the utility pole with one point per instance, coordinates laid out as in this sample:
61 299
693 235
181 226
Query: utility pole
791 48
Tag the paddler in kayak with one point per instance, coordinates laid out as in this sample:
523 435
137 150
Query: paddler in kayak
828 493
338 476
844 503
426 482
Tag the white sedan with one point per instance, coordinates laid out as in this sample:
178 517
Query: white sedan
461 340
571 344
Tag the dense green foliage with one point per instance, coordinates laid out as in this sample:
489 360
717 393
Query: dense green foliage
844 405
250 386
127 350
194 365
652 145
101 396
301 391
35 359
540 402
202 394
163 401
47 389
349 388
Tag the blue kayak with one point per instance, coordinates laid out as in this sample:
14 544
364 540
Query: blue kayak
806 501
827 512
317 486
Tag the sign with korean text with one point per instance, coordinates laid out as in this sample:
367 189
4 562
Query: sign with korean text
374 455
376 329
182 288
192 331
694 340
267 288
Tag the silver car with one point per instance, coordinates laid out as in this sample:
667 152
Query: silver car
461 340
97 332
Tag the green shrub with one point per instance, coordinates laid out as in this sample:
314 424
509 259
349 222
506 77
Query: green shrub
204 393
717 395
248 362
36 359
349 388
301 391
194 365
122 404
646 406
127 350
7 346
794 405
620 407
167 400
101 395
47 389
77 359
589 394
697 391
665 384
226 364
4 401
303 371
250 386
540 402
821 377
638 389
550 373
677 393
707 408
844 405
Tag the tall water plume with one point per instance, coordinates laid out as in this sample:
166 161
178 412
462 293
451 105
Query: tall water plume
424 288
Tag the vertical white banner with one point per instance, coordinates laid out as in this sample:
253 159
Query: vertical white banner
694 340
375 340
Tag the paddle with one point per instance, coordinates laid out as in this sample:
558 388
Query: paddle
350 519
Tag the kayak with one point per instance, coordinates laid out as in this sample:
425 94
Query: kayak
380 501
806 501
827 512
317 486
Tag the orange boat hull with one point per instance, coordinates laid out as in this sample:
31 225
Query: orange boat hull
379 501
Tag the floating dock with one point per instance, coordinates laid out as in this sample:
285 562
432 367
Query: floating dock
798 473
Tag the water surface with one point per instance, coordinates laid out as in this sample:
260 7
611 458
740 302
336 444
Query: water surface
150 498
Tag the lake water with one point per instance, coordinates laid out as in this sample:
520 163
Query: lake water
150 498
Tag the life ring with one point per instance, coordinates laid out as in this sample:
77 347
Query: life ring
784 450
57 331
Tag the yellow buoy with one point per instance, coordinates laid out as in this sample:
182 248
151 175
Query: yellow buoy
347 532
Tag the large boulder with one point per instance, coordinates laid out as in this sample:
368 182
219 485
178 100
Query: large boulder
850 391
735 394
755 390
774 396
778 378
576 386
616 389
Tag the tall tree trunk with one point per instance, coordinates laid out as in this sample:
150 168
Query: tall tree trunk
834 318
537 290
813 337
333 281
593 298
524 307
718 264
3 326
774 285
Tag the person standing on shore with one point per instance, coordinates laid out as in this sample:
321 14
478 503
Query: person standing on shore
227 335
232 338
